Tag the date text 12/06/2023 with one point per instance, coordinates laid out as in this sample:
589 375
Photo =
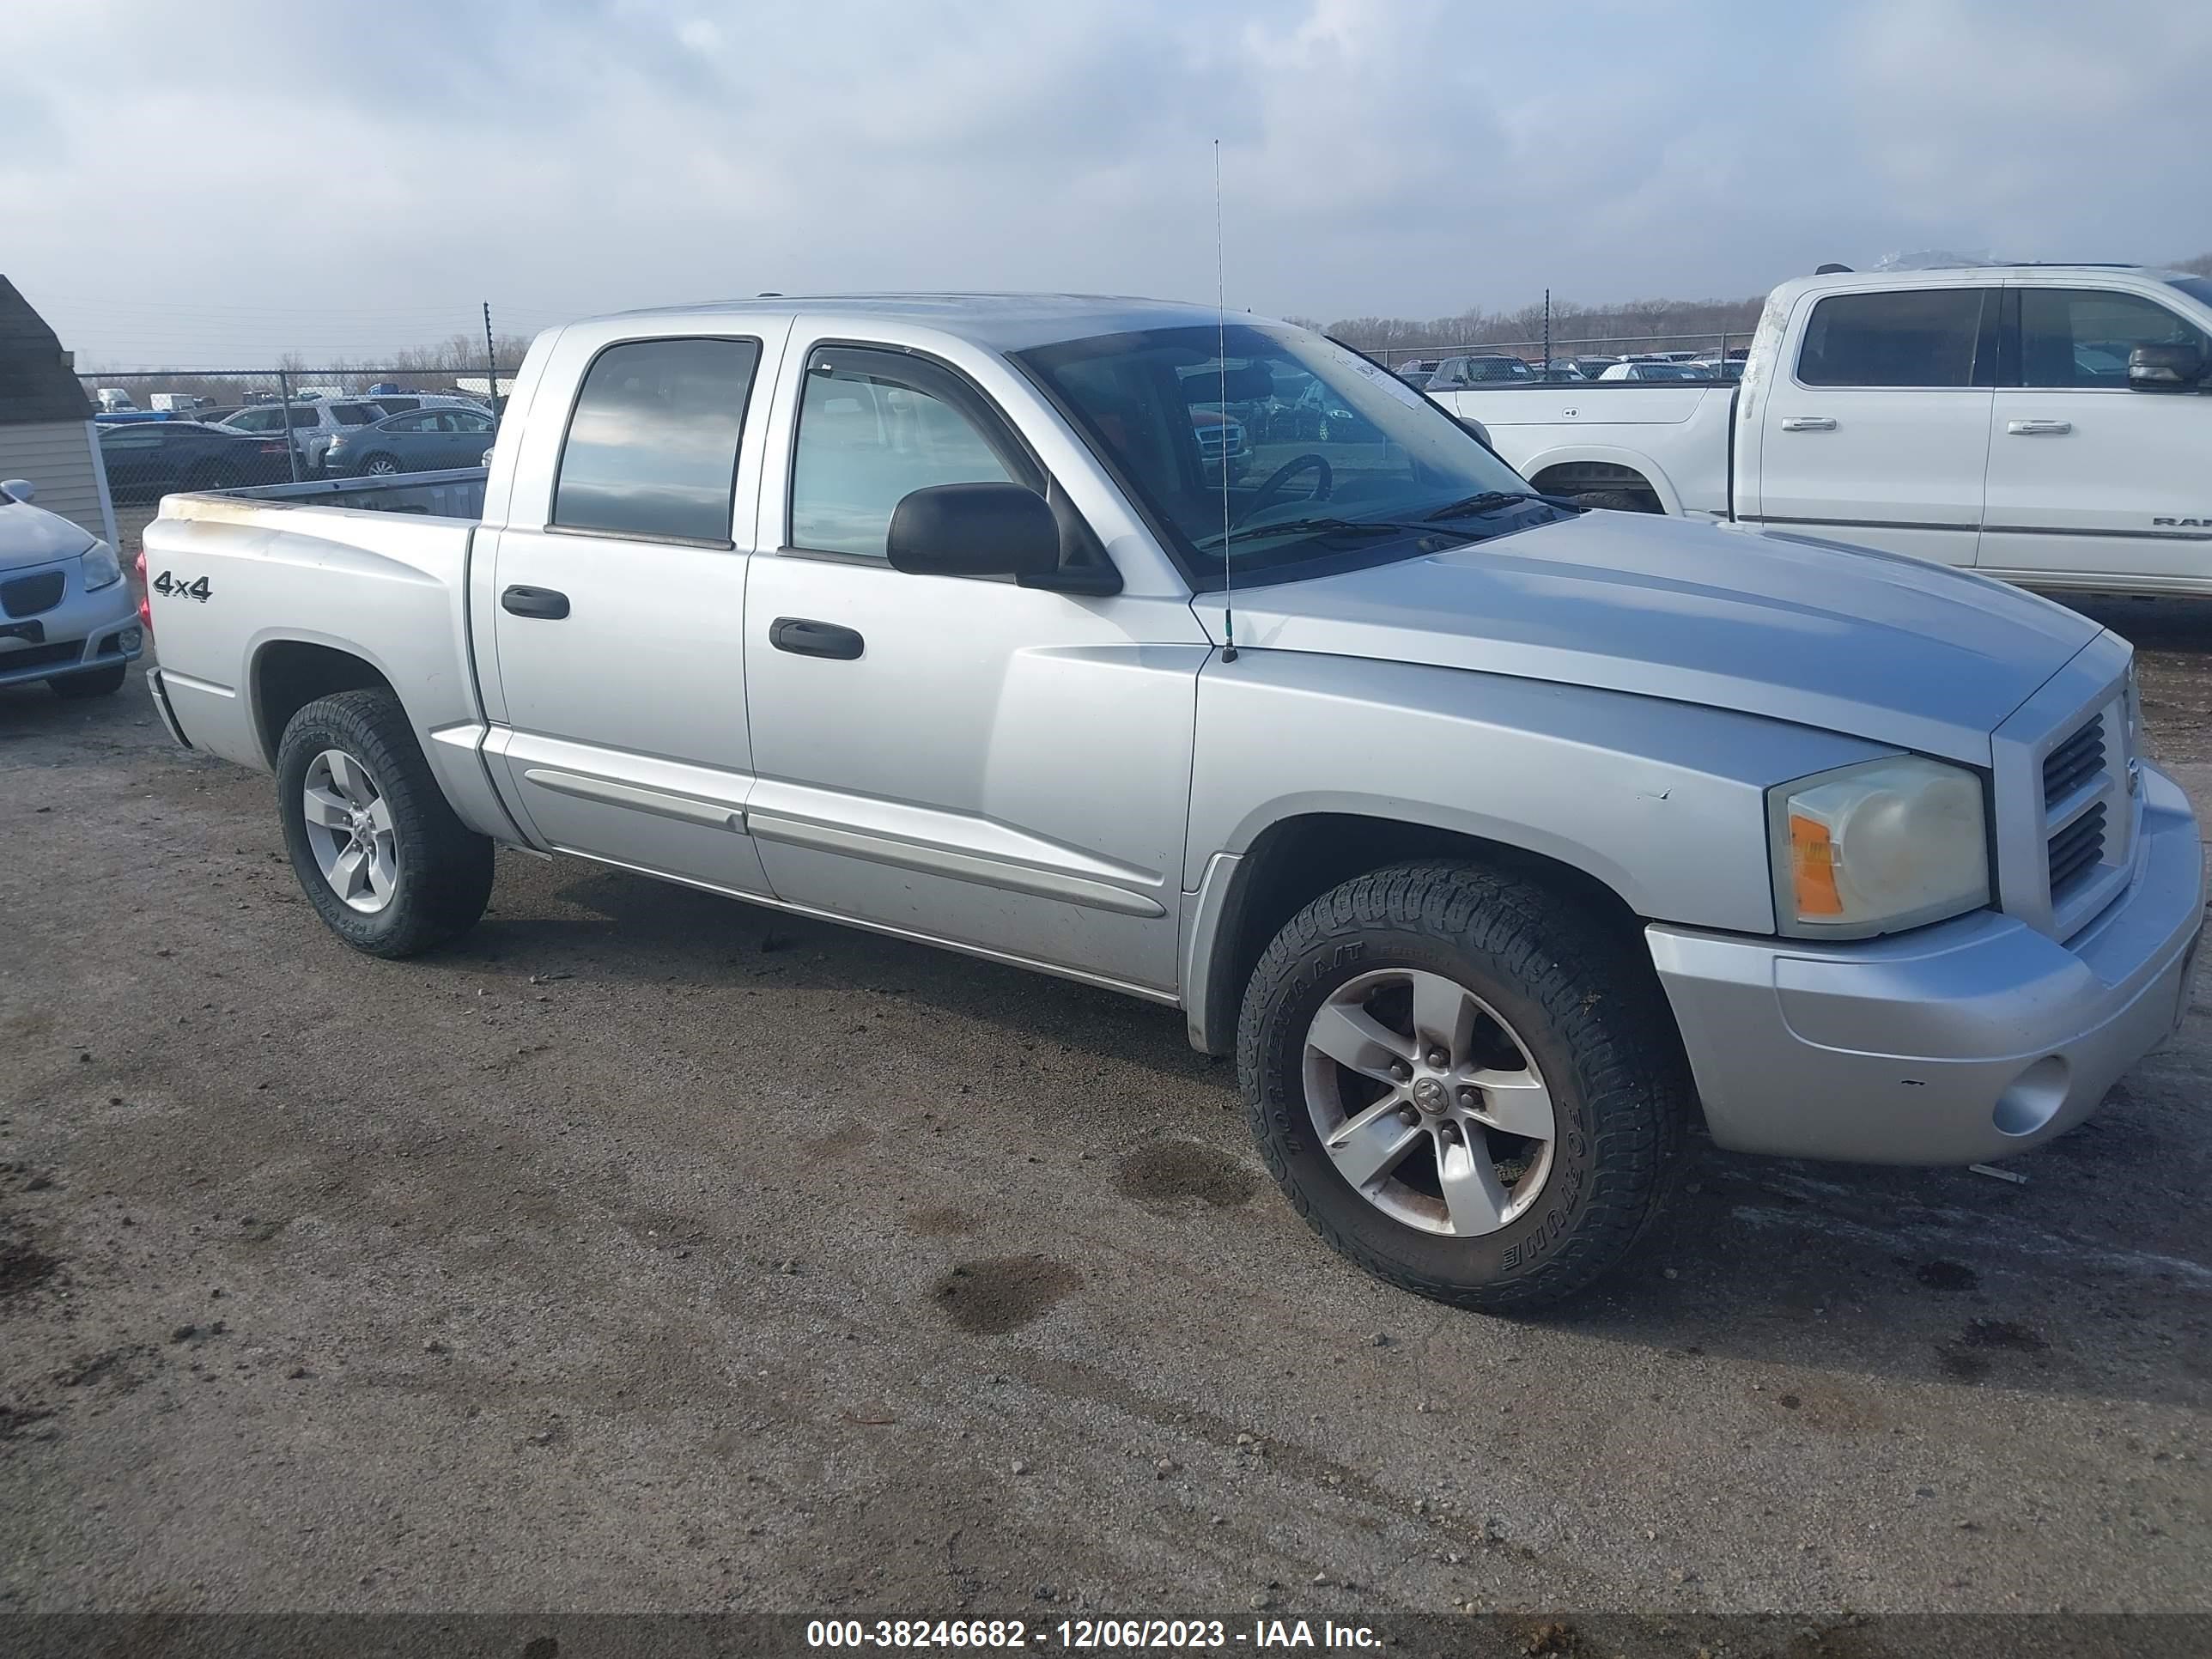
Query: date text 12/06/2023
1088 1635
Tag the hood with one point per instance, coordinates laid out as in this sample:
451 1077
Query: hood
31 535
1868 644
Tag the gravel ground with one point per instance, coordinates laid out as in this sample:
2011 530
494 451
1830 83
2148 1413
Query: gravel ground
648 1251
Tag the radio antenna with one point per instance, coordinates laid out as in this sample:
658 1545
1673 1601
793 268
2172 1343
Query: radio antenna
1221 359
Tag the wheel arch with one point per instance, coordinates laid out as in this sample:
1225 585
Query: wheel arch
1577 468
1246 897
288 674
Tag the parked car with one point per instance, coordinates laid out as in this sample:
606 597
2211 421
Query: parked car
113 399
66 614
1653 368
419 441
1417 373
315 424
1718 369
1557 368
145 460
1591 368
1851 858
1946 414
1456 372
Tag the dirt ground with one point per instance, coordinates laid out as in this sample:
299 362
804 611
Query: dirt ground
648 1251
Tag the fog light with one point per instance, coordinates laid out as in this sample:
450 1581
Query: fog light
2032 1098
130 639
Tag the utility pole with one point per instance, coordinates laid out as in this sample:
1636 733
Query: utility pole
491 364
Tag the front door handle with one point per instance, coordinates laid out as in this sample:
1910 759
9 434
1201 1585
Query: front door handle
535 602
2039 428
815 639
1809 423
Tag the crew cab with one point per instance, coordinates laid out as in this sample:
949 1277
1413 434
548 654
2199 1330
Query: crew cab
2050 425
1499 839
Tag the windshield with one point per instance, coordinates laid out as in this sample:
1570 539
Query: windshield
1316 459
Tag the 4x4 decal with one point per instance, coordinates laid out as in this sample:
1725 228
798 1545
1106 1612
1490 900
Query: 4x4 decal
167 584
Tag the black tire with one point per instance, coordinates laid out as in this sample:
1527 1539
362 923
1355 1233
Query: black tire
444 869
92 682
1595 1026
1617 501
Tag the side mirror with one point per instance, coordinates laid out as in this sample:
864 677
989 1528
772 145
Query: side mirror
974 530
2164 369
21 489
1476 430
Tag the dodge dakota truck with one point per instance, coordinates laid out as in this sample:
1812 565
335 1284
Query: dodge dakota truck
1501 841
2050 425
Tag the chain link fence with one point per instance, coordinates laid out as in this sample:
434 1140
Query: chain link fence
189 429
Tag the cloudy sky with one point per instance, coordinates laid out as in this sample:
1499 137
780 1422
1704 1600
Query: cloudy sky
222 181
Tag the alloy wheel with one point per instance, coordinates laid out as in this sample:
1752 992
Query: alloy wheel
1428 1103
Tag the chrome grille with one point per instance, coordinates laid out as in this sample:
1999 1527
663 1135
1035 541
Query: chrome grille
2076 851
2074 763
27 596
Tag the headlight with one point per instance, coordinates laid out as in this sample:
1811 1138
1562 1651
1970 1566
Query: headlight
100 570
1877 848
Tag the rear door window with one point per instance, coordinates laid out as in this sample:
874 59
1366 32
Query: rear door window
652 448
1925 338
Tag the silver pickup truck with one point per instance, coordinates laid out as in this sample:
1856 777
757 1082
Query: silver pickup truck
1500 840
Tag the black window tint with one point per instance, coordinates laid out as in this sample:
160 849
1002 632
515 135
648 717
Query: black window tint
355 414
872 428
652 447
1909 338
2082 336
399 405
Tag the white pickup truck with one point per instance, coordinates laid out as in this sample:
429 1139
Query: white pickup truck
1500 839
2050 425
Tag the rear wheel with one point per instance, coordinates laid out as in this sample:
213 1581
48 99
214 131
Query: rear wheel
93 683
378 849
1617 501
1459 1085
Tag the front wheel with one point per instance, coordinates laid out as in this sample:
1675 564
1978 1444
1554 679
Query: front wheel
379 851
1460 1086
380 466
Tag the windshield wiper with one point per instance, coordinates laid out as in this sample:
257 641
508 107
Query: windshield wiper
1319 527
1488 501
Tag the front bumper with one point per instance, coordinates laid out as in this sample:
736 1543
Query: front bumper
82 630
1953 1044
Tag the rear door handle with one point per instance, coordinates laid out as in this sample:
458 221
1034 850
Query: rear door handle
2039 428
535 602
815 639
1809 423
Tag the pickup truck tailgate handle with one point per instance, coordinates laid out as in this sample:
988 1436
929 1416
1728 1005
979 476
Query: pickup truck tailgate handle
815 639
1809 423
535 602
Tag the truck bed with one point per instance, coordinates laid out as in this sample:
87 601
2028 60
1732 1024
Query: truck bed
1564 437
247 586
458 494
